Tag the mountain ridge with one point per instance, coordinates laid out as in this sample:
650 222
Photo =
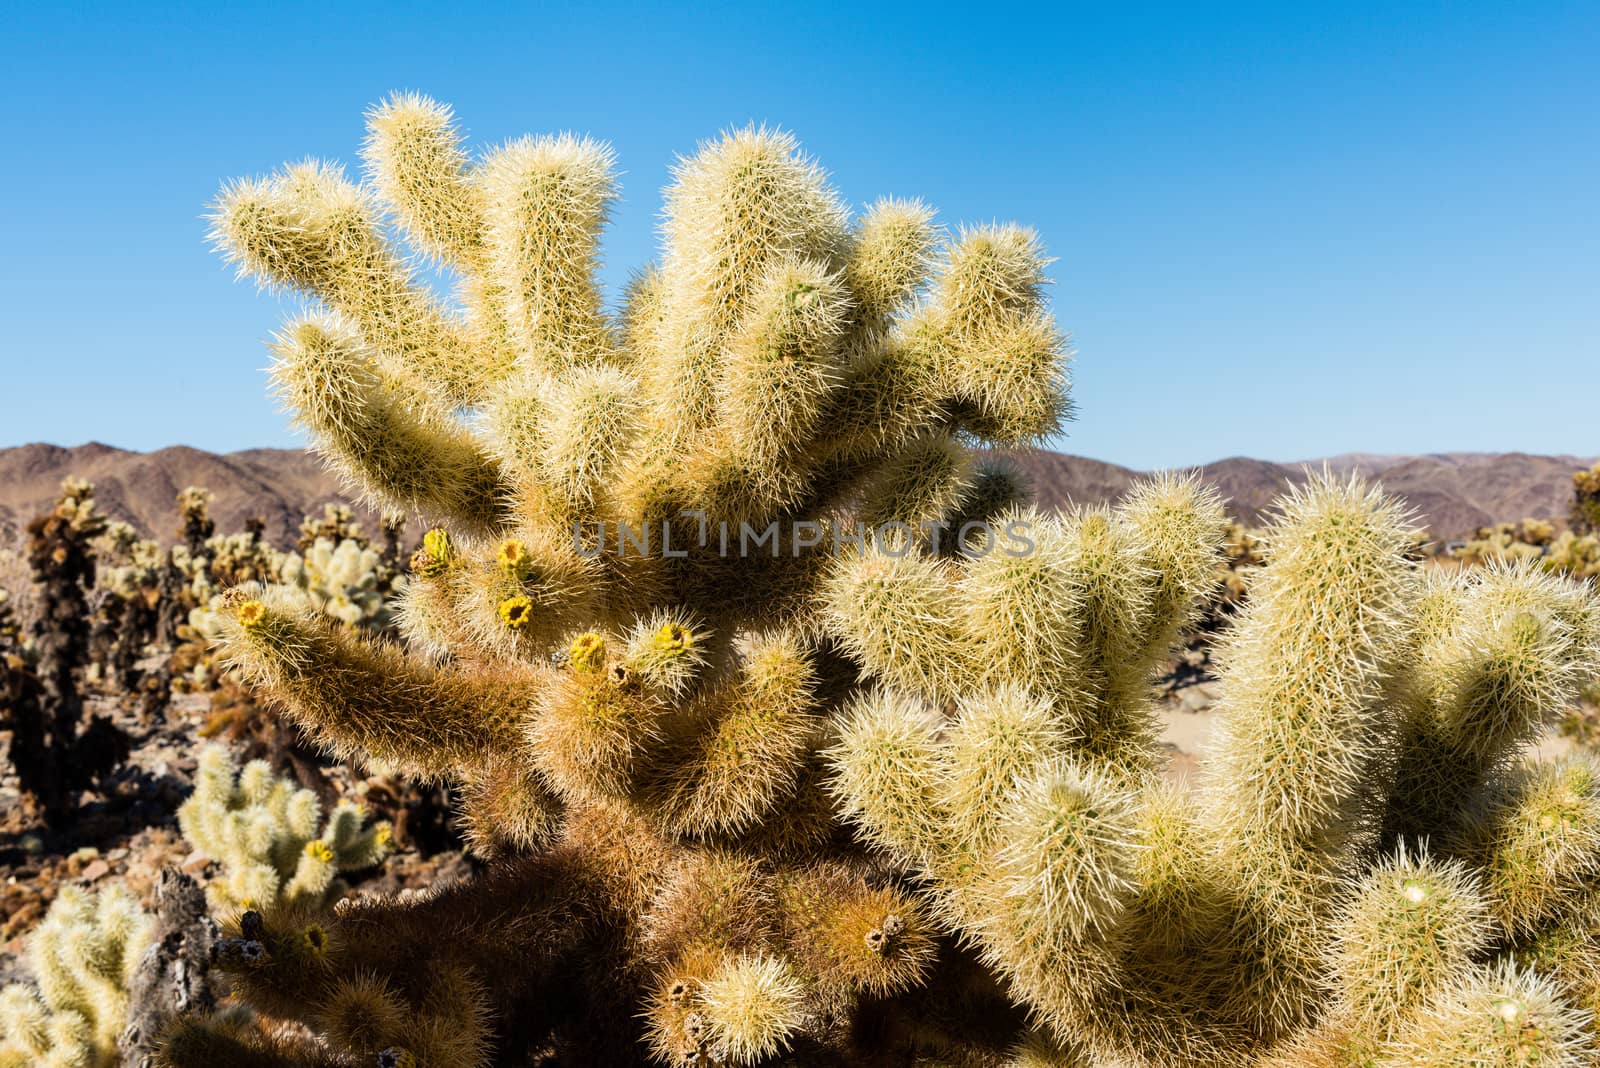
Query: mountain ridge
1452 493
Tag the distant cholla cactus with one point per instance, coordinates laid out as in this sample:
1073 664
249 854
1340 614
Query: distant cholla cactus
10 628
660 742
1577 555
1527 540
131 571
131 566
56 747
205 572
1585 512
336 524
83 956
264 833
1569 553
1582 723
343 581
227 560
194 511
75 506
1242 554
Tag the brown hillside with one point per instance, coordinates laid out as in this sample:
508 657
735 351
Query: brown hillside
279 485
1452 492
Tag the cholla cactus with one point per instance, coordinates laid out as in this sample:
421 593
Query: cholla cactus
1528 540
1582 723
342 580
130 574
661 739
1585 511
83 956
128 563
264 833
1364 712
337 523
1573 554
1568 553
194 510
345 580
56 753
224 561
10 629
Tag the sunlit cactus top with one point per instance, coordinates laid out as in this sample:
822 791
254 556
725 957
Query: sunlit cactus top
780 353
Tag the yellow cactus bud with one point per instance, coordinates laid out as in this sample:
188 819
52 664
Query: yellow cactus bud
314 940
674 638
436 543
251 614
426 565
317 849
516 611
587 653
512 556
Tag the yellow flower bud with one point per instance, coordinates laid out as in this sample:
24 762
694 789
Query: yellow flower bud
252 614
516 611
513 557
587 653
674 638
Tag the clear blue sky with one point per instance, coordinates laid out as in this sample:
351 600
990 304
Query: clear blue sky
1284 230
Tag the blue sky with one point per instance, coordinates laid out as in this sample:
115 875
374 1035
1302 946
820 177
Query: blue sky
1283 230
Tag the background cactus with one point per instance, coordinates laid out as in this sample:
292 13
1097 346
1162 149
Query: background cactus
55 748
1575 551
344 580
267 836
127 617
348 580
650 644
1585 513
83 957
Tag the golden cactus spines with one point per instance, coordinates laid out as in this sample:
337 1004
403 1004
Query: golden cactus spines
1412 927
403 456
899 614
887 764
592 422
1496 1015
890 257
417 160
310 228
1304 728
735 208
544 202
752 1006
744 758
83 957
1536 836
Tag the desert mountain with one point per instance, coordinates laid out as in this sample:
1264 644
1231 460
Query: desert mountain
1453 493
